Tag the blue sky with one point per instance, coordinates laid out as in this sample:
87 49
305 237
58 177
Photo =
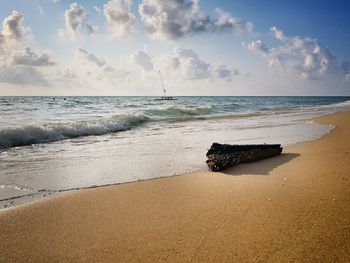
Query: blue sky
116 47
325 20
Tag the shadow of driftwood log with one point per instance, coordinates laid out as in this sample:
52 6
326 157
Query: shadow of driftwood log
261 167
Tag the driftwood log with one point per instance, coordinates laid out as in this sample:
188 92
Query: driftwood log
222 156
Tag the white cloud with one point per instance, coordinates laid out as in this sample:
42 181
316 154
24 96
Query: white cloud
142 59
188 64
91 58
21 75
66 74
75 21
278 34
174 19
223 72
22 67
65 77
29 58
13 30
120 20
297 55
87 68
227 22
258 46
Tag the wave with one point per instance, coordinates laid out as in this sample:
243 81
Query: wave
236 116
229 107
46 133
32 134
181 112
344 104
52 132
325 108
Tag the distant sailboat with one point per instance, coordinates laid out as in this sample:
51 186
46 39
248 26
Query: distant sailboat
164 97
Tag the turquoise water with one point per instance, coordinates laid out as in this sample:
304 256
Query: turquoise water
54 144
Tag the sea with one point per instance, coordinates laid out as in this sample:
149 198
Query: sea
50 145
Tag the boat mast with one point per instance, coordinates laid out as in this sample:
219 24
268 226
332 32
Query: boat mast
161 80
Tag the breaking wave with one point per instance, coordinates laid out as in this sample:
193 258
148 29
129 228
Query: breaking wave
31 134
52 132
181 112
344 104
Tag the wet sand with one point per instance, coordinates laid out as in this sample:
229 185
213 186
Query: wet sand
290 208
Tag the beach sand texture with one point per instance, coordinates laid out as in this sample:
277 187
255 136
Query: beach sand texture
290 208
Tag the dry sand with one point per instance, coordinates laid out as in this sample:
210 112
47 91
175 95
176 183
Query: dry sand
291 208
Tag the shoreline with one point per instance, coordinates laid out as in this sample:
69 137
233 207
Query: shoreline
293 207
43 195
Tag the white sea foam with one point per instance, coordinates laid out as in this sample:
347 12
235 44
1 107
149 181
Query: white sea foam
32 134
151 137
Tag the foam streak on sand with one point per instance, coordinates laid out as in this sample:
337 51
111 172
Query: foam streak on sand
291 208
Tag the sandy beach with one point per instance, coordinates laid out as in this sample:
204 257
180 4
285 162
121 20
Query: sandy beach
290 208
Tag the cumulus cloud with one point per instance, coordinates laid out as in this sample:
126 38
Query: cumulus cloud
258 46
174 19
120 20
189 65
86 56
142 59
66 74
227 22
223 72
75 21
29 58
13 30
66 77
278 34
94 69
90 61
298 55
22 75
23 67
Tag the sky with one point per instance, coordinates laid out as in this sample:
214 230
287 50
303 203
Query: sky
201 47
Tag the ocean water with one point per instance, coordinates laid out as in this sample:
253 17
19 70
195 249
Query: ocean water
49 145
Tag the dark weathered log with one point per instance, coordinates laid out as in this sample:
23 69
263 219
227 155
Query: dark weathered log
222 156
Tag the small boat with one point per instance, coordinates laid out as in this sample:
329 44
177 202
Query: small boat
164 97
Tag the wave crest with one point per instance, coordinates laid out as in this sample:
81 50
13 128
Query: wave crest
32 134
181 112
